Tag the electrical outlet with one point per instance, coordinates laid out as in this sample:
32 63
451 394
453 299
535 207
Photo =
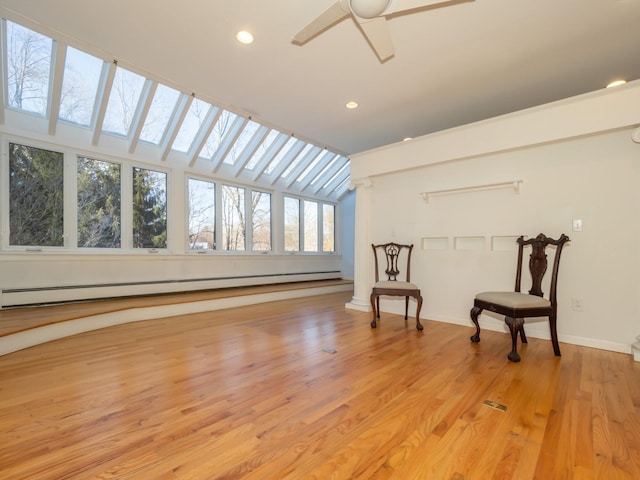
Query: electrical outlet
576 304
577 224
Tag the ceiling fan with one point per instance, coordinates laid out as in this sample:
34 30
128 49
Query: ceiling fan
371 15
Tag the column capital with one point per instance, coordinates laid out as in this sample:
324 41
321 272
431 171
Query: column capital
360 183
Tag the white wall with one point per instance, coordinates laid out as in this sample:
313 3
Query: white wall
593 177
43 277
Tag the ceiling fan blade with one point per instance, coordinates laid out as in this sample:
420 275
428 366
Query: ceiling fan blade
379 37
399 6
326 19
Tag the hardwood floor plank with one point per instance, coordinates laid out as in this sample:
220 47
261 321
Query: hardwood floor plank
250 394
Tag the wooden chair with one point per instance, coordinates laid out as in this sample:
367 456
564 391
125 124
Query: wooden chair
392 286
517 306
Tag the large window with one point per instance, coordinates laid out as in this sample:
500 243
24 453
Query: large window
123 101
261 221
310 226
314 224
98 203
202 214
291 224
79 87
57 199
149 208
328 228
36 196
28 69
233 218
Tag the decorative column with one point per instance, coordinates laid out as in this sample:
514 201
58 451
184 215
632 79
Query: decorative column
362 254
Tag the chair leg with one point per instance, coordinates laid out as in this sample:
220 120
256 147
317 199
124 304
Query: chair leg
418 324
514 325
406 308
475 311
373 306
554 335
523 337
378 305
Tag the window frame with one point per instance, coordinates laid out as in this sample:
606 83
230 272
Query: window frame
320 226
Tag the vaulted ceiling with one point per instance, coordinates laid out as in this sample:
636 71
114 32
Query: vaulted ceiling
454 64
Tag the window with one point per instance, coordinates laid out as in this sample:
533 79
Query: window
291 224
79 87
149 208
28 67
310 226
191 125
162 106
262 149
159 131
123 101
328 228
281 154
202 214
35 196
233 219
316 223
241 143
99 221
221 129
261 221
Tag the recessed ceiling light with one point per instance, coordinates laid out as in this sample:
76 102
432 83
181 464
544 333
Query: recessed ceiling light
244 37
406 139
351 105
616 83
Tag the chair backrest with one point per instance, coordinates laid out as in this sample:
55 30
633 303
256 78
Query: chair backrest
538 263
392 252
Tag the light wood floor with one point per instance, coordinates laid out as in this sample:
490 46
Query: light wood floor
249 393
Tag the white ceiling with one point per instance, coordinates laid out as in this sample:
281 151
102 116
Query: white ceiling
453 65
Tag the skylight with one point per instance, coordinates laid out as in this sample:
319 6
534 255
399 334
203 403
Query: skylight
79 87
262 149
28 67
101 96
219 132
191 124
160 111
278 158
123 100
243 139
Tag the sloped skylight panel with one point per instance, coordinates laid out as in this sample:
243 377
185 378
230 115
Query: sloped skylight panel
278 158
162 106
346 165
79 87
243 139
123 101
323 157
220 130
28 69
297 160
324 170
191 124
260 151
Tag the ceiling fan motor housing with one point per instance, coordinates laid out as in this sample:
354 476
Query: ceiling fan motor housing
368 8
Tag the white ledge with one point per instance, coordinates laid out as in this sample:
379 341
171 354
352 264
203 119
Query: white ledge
475 188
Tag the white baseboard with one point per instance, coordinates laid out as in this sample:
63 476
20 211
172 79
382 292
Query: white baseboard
537 330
